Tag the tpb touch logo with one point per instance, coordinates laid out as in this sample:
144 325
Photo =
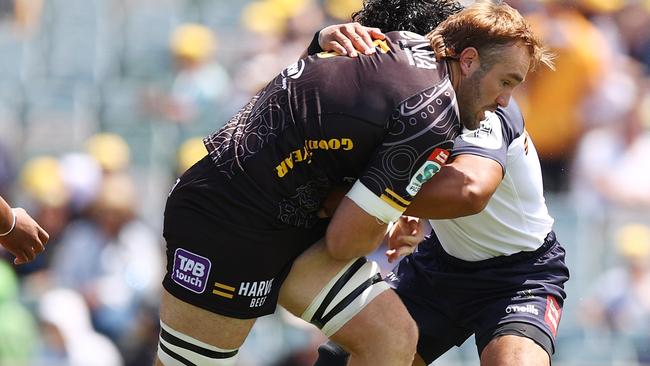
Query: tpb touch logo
190 270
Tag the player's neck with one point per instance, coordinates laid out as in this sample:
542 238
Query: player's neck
454 73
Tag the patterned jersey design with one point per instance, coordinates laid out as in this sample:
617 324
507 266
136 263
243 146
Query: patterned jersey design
325 120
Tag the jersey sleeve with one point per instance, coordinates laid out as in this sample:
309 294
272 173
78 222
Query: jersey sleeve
418 142
494 135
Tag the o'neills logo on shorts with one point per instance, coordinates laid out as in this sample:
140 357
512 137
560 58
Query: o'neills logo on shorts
190 270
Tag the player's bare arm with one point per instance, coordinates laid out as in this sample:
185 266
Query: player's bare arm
461 188
20 234
353 232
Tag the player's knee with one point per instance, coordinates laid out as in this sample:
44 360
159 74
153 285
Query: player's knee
404 333
347 294
394 337
178 349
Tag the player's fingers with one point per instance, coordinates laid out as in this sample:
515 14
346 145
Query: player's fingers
38 248
29 254
403 251
410 240
344 41
376 33
43 235
366 39
357 41
22 258
394 254
337 47
390 254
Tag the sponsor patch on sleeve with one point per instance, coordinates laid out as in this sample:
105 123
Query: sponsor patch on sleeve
430 167
191 271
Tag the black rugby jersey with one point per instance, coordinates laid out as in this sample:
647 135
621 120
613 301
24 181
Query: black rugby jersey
386 120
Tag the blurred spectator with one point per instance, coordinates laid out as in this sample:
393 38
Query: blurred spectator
200 83
281 30
341 10
27 14
551 100
191 151
69 338
294 342
82 175
6 171
619 301
633 21
113 259
18 332
110 150
607 170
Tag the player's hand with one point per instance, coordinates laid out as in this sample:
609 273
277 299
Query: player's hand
26 240
349 39
404 236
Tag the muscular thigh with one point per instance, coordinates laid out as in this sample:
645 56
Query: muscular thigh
202 324
514 350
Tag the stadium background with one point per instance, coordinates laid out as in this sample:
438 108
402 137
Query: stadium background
101 105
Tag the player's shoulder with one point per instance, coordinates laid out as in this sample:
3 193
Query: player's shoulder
406 36
497 130
511 120
411 43
413 61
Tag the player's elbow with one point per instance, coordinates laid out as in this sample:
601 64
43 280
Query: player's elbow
476 199
341 245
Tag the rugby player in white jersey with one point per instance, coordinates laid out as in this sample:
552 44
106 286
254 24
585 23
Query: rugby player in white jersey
492 266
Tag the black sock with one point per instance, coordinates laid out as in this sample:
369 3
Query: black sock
331 354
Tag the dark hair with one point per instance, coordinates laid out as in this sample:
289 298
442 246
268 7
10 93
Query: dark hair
418 16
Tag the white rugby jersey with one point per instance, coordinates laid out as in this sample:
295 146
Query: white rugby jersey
516 217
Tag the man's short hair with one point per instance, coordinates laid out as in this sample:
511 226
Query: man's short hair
486 26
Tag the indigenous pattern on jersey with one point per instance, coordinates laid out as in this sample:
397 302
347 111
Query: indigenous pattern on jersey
236 220
516 217
387 120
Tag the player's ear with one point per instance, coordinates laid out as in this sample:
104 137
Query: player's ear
469 60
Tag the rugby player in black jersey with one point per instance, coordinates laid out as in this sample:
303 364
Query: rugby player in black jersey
498 273
243 228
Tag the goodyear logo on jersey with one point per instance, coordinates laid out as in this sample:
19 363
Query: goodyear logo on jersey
190 270
304 154
432 166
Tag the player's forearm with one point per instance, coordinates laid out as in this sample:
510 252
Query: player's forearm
353 235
